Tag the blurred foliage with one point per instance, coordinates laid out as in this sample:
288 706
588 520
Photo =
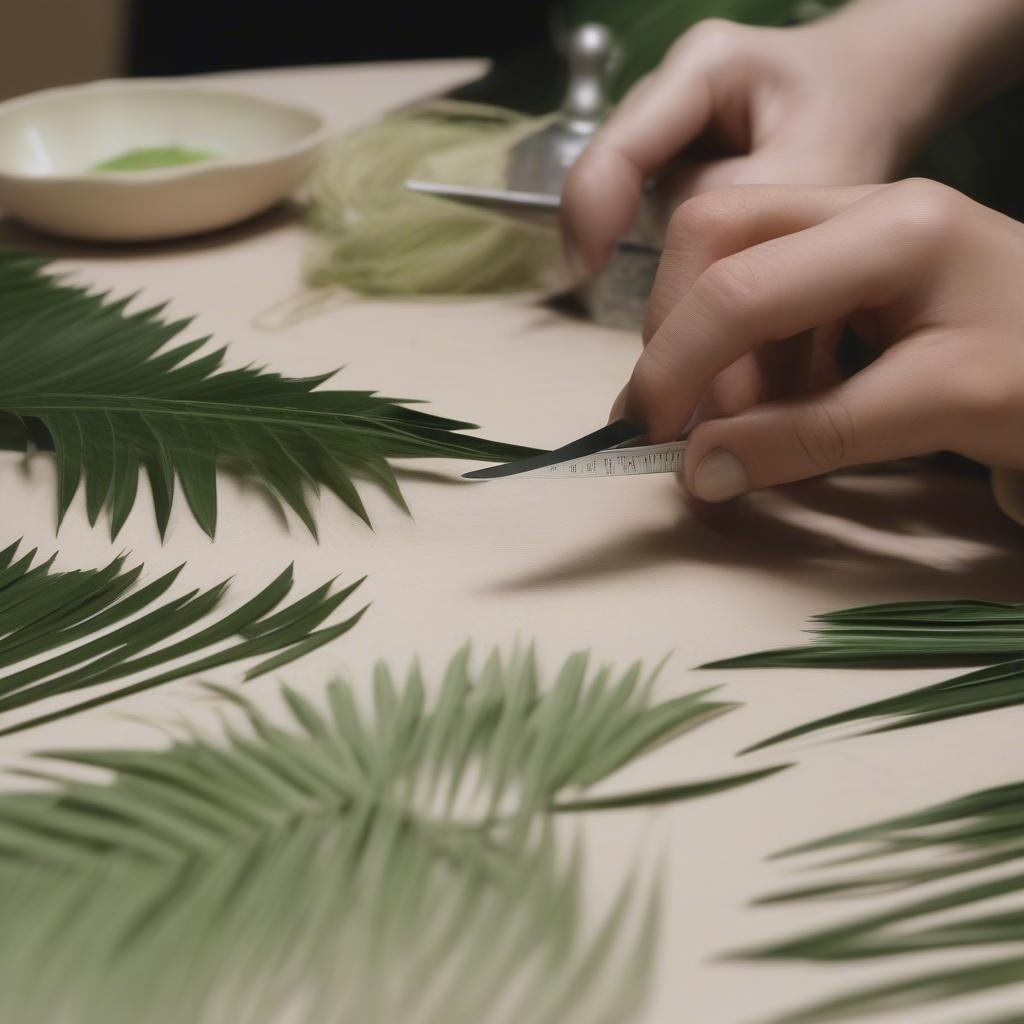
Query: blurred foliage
346 860
647 29
952 861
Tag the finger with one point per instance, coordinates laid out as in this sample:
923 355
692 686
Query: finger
773 163
770 291
883 413
710 227
618 409
736 388
777 370
657 120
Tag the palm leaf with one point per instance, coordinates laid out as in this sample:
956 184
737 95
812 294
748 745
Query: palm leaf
904 634
393 864
908 634
65 632
989 689
100 387
972 849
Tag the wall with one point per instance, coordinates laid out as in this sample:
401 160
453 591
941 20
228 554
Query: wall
57 42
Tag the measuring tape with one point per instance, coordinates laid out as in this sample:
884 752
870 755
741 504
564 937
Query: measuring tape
652 458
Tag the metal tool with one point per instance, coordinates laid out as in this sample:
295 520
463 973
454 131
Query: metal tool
538 209
540 162
617 296
611 451
536 171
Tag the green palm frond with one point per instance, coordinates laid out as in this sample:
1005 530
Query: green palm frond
65 632
904 634
396 864
969 851
99 386
988 689
911 634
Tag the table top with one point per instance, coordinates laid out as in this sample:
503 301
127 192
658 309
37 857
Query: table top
619 566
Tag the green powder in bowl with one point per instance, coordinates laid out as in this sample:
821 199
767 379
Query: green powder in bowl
155 157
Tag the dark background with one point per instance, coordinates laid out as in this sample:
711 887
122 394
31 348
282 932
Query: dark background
167 37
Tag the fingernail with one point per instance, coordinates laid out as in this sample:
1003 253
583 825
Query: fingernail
720 476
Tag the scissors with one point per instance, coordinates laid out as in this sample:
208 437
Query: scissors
617 296
537 209
614 450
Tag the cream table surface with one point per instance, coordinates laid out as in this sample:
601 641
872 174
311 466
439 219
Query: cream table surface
619 566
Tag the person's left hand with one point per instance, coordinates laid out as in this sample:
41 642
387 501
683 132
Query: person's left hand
754 288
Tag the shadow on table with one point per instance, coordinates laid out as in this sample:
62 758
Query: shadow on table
408 474
923 534
15 235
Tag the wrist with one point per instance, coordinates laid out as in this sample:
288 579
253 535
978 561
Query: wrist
896 102
929 60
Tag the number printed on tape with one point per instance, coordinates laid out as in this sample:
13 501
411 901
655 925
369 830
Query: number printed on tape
654 458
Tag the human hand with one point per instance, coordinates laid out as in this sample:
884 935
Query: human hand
754 288
844 100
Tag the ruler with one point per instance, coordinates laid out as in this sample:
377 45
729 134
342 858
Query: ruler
651 458
611 451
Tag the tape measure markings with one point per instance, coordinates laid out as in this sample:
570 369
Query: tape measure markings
640 461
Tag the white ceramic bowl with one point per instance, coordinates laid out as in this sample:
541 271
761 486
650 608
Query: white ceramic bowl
50 142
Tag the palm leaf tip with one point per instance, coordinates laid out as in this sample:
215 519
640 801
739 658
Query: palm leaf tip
66 633
668 794
902 634
103 389
909 634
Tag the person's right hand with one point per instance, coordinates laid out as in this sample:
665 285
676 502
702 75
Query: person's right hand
756 282
846 100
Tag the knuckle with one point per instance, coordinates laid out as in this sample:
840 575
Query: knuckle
825 432
711 36
926 211
733 287
705 217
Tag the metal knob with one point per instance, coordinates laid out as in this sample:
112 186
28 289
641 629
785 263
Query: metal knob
591 56
540 162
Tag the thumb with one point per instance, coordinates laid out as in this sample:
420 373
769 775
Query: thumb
660 117
871 418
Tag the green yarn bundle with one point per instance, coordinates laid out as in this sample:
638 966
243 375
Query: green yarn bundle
376 238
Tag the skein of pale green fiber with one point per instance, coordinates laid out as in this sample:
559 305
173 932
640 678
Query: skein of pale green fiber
377 238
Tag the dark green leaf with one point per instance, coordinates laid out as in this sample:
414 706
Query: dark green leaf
99 386
64 632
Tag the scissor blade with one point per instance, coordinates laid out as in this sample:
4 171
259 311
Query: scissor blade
617 432
540 209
